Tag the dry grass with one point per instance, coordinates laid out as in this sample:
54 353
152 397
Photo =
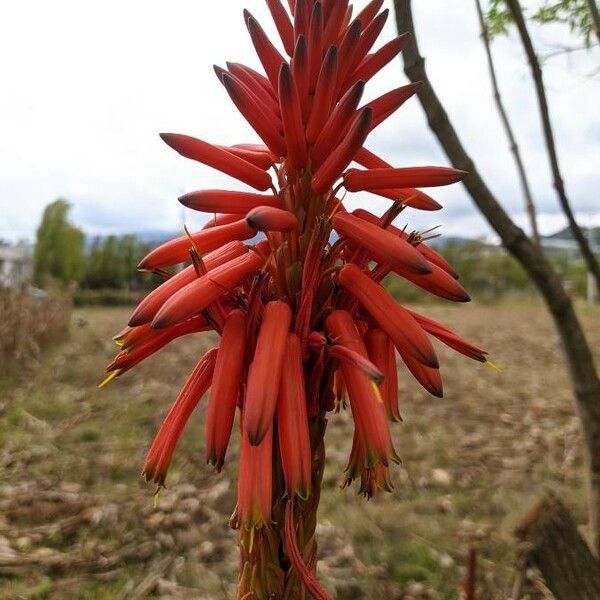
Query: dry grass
28 324
77 522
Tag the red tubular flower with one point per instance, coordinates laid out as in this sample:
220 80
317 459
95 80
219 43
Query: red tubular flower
377 179
340 158
300 74
268 55
381 244
294 439
159 456
248 92
151 304
409 196
267 218
291 114
177 250
143 333
259 85
225 389
225 201
260 118
265 371
438 282
255 481
263 160
301 18
373 63
448 337
283 24
197 295
337 124
389 103
220 159
347 51
368 37
368 13
217 220
345 354
396 321
367 408
431 255
323 98
152 341
305 325
315 42
381 352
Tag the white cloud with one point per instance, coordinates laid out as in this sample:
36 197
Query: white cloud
87 86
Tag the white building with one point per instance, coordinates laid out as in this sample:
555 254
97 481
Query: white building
16 265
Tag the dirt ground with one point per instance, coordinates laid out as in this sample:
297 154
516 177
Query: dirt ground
76 520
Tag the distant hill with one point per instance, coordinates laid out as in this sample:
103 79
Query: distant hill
592 233
564 240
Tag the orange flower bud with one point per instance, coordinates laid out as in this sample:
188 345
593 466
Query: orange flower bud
268 55
291 115
267 218
381 352
294 439
149 306
396 321
226 201
255 481
380 243
218 159
373 179
323 99
160 454
177 250
200 293
225 389
367 409
264 376
283 24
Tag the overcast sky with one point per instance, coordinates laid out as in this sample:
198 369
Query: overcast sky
85 87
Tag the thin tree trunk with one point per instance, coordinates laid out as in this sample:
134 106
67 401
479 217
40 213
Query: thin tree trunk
551 542
586 385
595 17
536 71
514 148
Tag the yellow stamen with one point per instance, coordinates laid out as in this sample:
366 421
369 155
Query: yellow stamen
109 378
489 363
251 540
156 498
377 391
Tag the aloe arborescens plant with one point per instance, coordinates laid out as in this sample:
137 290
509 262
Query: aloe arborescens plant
303 319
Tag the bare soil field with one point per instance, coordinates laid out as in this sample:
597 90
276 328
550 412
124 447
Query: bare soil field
77 521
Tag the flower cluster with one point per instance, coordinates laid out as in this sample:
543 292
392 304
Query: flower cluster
303 319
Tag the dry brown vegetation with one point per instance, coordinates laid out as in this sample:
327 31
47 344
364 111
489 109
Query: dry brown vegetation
76 521
27 324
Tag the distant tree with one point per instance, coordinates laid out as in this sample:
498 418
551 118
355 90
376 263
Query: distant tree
111 263
59 248
581 16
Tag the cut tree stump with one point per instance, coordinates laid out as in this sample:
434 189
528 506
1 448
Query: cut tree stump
552 543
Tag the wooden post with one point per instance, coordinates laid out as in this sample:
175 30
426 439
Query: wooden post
552 543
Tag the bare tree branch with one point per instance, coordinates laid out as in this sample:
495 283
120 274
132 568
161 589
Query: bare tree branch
536 71
582 371
514 148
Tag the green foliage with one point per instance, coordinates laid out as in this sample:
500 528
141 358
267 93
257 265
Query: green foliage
111 263
489 273
59 249
573 13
